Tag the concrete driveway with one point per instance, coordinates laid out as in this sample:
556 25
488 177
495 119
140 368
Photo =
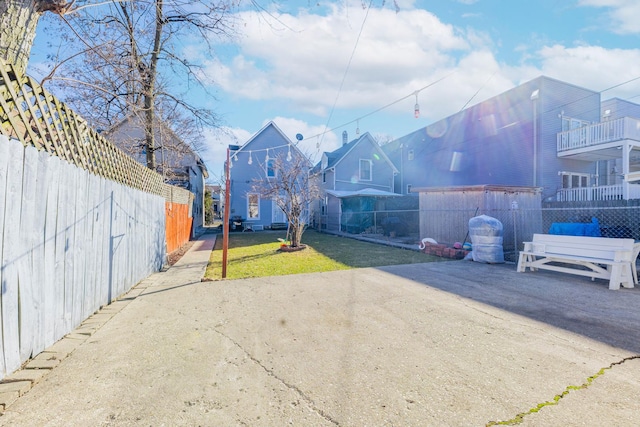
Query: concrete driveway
454 343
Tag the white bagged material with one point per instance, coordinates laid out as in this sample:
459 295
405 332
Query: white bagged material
486 238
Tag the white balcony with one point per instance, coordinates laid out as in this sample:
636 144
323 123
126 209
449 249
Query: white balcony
600 136
603 192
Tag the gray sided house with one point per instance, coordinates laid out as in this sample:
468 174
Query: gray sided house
176 161
355 178
544 133
255 160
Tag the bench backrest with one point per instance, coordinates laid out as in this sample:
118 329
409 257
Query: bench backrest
592 247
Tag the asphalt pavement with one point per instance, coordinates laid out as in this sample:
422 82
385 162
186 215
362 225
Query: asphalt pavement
454 343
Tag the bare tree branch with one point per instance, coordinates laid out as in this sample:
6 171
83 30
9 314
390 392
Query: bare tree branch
291 190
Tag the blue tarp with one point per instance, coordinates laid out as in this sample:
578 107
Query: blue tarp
576 228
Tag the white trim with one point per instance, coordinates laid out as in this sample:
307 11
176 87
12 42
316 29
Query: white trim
266 169
360 170
249 217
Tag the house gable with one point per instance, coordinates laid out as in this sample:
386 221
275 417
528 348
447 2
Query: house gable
254 161
356 165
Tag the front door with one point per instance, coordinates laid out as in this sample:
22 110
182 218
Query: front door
277 214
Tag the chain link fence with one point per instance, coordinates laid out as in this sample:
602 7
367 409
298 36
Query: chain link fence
452 225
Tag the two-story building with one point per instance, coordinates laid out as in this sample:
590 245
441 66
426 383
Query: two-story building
178 163
256 161
544 133
354 179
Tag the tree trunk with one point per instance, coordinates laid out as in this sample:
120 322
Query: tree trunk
150 87
18 21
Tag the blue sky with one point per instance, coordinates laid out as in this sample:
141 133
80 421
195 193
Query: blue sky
292 65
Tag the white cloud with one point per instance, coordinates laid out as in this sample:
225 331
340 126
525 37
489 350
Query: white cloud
396 54
623 15
214 153
594 67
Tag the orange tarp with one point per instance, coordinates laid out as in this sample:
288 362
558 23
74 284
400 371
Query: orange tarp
178 225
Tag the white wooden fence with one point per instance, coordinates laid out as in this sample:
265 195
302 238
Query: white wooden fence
70 242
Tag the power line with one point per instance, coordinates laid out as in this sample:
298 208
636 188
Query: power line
346 71
383 107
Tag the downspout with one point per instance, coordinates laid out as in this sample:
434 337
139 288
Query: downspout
626 149
401 168
334 178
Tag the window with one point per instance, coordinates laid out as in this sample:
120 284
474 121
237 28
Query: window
325 161
253 206
569 123
271 168
365 170
574 180
410 155
324 177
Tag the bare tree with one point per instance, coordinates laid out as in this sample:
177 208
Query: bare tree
292 190
128 60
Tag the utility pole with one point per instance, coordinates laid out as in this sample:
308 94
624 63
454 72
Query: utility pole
225 224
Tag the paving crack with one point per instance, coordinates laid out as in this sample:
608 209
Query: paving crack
518 419
292 387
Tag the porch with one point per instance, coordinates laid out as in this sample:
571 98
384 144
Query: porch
614 140
624 191
602 140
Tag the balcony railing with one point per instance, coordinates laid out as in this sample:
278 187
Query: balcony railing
599 133
604 192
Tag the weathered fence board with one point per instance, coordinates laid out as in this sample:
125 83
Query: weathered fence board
28 233
10 277
70 242
4 166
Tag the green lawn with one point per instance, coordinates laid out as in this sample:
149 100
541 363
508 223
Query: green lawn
257 255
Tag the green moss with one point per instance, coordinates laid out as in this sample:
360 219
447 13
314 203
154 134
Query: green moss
556 399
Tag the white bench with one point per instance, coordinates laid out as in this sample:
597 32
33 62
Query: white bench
595 257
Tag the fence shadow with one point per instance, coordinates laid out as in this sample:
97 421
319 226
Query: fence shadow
569 302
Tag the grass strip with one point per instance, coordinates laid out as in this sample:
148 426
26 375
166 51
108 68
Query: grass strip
257 255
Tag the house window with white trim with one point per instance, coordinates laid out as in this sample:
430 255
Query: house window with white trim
253 206
574 180
271 168
365 170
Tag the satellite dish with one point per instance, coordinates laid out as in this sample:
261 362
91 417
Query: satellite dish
299 136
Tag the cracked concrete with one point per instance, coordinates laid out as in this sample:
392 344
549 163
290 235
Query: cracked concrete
455 343
557 399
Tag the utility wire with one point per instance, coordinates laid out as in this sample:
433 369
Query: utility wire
383 107
346 71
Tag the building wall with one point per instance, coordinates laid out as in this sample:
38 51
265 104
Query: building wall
178 164
243 174
557 100
492 142
618 108
197 187
348 168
